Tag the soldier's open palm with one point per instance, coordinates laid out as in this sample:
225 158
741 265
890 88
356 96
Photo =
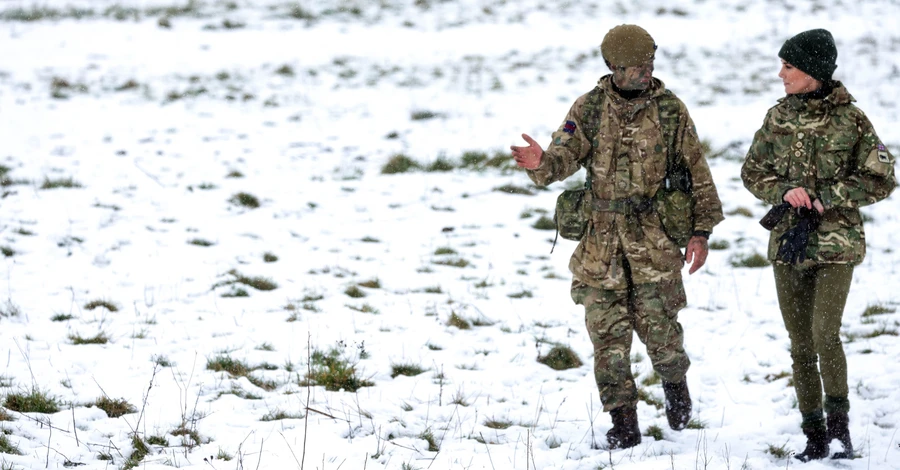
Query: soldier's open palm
527 157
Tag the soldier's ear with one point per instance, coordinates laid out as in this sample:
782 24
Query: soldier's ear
612 68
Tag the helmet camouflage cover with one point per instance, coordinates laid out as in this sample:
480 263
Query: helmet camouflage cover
627 45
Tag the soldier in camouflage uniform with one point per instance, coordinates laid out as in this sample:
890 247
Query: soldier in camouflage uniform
626 270
817 152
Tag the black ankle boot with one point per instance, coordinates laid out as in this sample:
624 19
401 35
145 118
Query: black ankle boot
838 428
816 444
678 404
625 432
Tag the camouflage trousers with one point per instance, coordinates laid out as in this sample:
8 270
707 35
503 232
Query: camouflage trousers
611 316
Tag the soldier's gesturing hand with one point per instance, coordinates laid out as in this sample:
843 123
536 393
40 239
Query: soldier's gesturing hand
528 157
696 253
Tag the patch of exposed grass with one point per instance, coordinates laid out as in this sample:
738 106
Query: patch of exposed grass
453 262
408 369
513 189
651 379
334 372
400 163
423 115
719 245
544 223
655 432
521 295
428 436
158 441
99 338
60 183
200 242
648 398
371 284
114 408
34 401
441 164
107 304
278 415
162 361
7 251
779 452
7 447
5 416
495 423
226 363
560 357
269 257
876 309
882 330
256 282
245 200
752 260
742 211
354 292
458 322
445 250
696 424
473 159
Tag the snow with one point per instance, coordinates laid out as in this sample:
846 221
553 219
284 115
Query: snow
308 112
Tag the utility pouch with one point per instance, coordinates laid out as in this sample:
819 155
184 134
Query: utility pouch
675 205
573 210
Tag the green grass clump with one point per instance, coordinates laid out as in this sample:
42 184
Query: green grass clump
354 292
60 183
473 159
140 451
99 338
278 415
513 189
225 363
245 200
441 164
560 357
753 260
256 282
269 257
371 284
873 310
495 423
719 245
445 250
7 447
407 369
428 436
158 441
35 401
454 262
334 372
458 322
696 424
200 242
107 304
423 115
544 223
7 251
742 211
648 398
5 416
400 163
114 408
655 432
779 452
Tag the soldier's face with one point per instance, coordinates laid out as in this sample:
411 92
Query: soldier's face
633 78
796 81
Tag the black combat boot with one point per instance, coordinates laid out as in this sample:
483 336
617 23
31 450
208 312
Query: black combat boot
625 432
678 404
838 429
816 444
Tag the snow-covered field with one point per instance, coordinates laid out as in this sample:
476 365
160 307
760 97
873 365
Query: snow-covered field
135 134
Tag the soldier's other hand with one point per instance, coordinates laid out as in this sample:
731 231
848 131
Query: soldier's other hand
798 197
819 207
528 157
696 253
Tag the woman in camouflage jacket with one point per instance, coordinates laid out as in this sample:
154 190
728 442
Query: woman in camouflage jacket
818 154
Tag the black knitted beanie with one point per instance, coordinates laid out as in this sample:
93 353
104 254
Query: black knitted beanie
813 52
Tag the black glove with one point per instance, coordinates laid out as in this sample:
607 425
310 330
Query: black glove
775 214
793 242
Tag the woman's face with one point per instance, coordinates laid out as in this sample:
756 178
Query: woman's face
796 81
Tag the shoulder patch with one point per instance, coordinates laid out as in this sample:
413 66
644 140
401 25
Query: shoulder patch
883 156
569 127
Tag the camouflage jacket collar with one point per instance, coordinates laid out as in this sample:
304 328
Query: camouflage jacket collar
657 88
839 96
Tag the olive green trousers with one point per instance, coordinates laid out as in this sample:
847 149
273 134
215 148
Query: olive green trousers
812 303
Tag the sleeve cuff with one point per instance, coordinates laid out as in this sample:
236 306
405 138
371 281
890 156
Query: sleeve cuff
702 233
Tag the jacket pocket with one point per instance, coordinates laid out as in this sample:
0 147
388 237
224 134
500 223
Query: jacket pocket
832 161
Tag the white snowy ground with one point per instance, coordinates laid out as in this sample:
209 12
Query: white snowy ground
303 114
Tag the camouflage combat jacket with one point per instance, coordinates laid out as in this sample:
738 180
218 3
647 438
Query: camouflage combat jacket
627 160
828 147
